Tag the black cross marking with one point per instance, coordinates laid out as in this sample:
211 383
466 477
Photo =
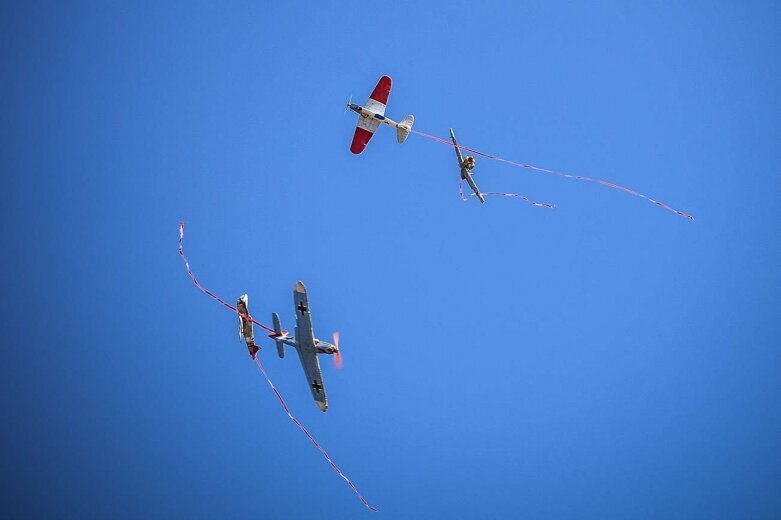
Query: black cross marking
303 309
317 386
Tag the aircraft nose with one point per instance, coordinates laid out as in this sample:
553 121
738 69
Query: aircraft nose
322 405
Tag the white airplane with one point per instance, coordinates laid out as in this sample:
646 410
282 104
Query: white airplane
371 115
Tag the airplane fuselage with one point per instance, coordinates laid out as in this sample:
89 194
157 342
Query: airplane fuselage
370 114
323 347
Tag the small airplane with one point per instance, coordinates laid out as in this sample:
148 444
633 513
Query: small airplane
371 115
307 346
246 331
466 165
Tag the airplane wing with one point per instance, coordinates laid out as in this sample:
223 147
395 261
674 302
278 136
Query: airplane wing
458 150
363 133
379 97
305 346
471 182
366 125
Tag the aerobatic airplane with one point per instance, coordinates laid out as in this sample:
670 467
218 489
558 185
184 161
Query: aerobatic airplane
304 341
371 115
246 328
466 165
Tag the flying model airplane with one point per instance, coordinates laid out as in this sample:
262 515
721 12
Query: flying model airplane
304 341
307 346
246 331
466 165
371 115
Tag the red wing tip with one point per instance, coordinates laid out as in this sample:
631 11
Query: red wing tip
360 140
382 90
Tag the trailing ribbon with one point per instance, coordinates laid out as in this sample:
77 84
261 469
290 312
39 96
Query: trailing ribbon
263 371
560 174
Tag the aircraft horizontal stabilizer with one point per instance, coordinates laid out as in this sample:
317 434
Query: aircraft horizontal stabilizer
278 331
403 129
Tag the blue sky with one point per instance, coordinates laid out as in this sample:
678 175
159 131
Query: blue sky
605 359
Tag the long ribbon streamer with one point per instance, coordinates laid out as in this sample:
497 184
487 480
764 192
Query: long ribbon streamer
533 203
496 194
309 436
265 375
560 174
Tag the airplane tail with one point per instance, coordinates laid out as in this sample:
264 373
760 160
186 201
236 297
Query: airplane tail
278 331
403 129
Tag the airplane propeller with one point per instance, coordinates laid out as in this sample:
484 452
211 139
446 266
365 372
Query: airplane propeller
349 102
338 353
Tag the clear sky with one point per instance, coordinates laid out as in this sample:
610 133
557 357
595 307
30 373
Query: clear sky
605 359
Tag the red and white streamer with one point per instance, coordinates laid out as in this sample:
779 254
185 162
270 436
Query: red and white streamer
515 195
265 375
312 439
560 174
496 194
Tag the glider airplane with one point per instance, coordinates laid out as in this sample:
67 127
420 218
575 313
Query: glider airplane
304 341
466 165
371 115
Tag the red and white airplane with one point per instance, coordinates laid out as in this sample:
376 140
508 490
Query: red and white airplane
371 115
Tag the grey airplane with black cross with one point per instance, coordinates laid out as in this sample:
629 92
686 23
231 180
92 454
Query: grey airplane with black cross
304 341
